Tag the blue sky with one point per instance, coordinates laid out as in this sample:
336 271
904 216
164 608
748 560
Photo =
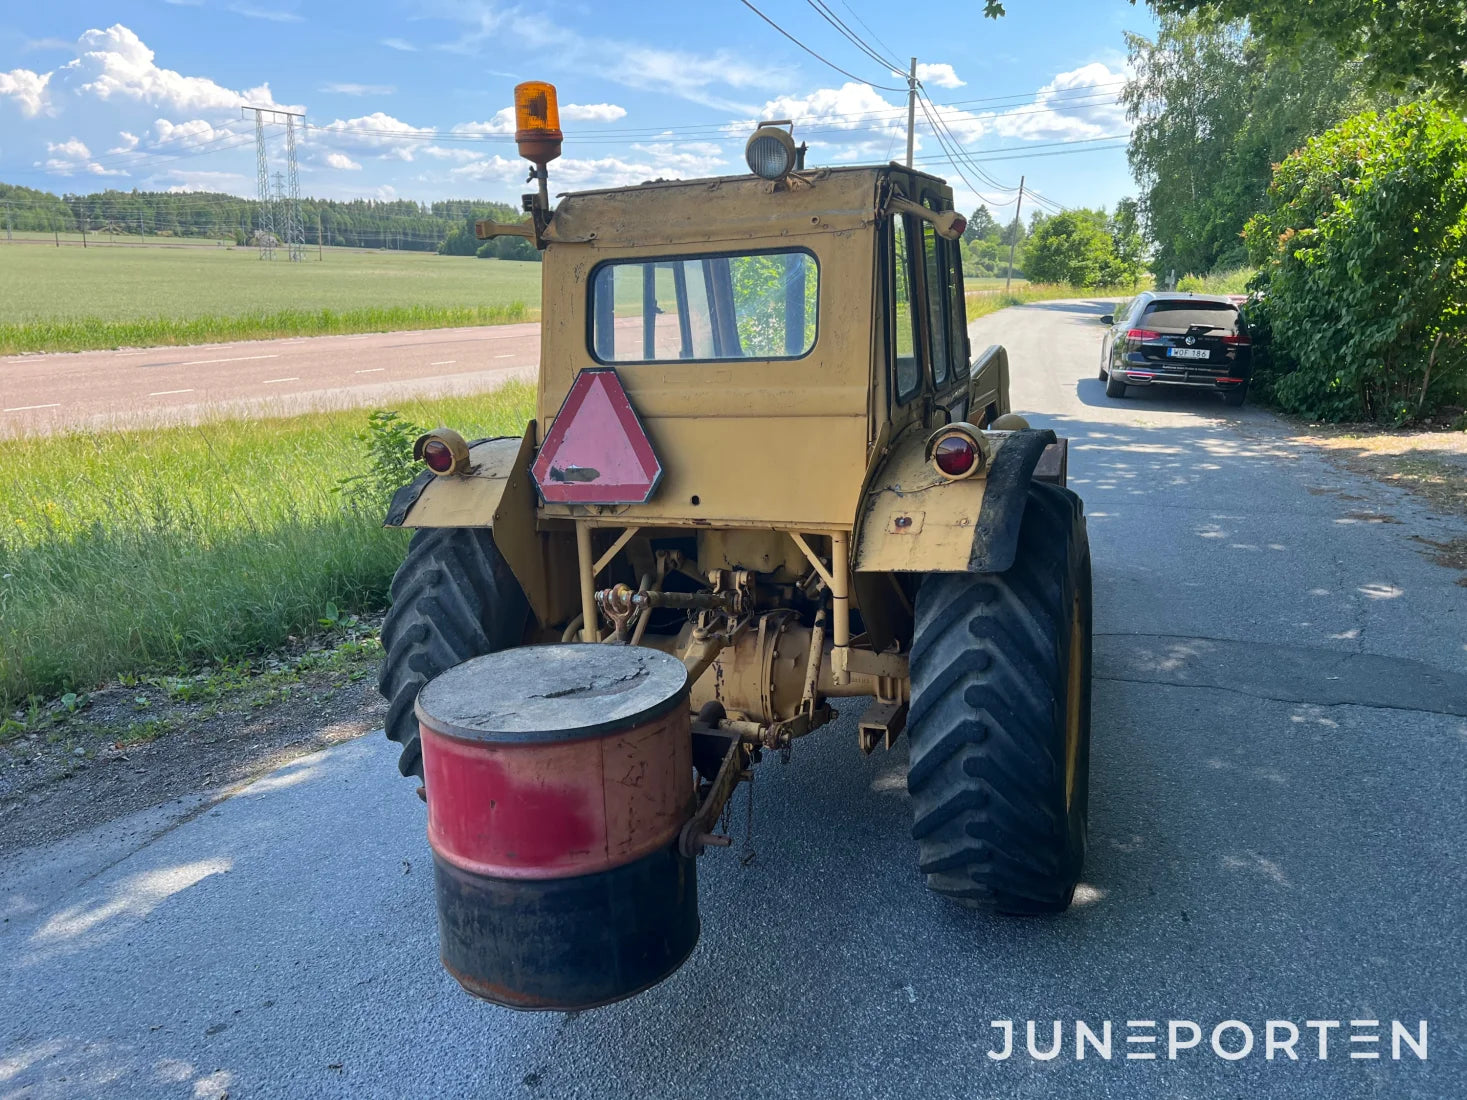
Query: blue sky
408 98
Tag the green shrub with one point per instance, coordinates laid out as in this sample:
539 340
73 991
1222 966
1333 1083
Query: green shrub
1363 267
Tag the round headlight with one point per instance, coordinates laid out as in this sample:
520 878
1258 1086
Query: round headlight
770 153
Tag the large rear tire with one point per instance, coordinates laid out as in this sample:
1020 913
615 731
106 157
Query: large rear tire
999 723
453 598
1114 387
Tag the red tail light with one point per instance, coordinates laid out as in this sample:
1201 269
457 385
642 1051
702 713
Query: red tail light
955 455
1240 340
1139 334
438 456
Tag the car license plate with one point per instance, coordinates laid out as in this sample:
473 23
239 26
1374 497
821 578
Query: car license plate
1188 353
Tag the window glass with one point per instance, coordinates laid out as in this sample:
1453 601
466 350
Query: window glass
1179 316
904 313
957 308
750 306
936 303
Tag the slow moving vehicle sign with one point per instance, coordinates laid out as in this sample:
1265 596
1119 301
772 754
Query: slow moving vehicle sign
597 451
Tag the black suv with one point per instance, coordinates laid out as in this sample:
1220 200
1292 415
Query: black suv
1170 338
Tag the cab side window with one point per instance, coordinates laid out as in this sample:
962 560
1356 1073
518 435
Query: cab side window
905 315
936 304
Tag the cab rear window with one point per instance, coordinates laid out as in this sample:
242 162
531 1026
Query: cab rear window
1181 316
751 305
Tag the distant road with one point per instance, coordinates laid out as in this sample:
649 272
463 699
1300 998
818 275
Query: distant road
141 386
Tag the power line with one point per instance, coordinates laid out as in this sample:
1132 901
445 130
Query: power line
823 60
851 36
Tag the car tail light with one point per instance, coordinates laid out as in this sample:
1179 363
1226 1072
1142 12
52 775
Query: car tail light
1238 340
1139 334
957 451
1230 380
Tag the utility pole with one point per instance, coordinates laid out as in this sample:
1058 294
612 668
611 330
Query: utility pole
82 221
1014 240
911 110
295 232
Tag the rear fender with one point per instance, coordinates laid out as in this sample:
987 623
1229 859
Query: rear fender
498 492
913 520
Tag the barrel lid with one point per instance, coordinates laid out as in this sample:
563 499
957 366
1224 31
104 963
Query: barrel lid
553 692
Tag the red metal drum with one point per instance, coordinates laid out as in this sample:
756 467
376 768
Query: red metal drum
558 779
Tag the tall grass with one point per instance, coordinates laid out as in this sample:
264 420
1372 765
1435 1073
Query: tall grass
146 550
1234 281
983 302
94 333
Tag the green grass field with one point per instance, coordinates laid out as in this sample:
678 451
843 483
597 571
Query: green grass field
150 550
72 299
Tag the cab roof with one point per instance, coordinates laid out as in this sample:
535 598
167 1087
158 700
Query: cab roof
731 208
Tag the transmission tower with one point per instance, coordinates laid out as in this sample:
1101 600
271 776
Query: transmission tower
280 212
265 216
295 230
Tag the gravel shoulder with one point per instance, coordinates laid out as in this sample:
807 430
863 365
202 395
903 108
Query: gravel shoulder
82 761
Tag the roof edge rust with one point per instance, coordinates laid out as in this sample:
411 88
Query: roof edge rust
674 212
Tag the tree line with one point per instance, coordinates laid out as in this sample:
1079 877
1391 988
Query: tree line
354 223
1084 247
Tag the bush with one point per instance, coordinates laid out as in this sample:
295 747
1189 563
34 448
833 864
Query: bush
1363 267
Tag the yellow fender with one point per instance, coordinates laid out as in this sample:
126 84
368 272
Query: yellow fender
913 520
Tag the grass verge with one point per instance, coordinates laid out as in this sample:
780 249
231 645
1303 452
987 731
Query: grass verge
95 333
983 302
138 552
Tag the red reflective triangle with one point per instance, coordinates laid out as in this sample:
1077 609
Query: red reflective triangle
596 451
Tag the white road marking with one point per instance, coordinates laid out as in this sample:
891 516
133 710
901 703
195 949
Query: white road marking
165 393
26 408
443 363
368 370
236 359
507 355
272 381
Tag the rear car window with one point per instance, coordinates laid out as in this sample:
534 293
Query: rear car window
1180 316
757 305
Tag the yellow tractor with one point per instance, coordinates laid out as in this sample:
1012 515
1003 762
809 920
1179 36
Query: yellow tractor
763 447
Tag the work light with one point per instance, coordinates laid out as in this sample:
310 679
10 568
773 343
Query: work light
771 153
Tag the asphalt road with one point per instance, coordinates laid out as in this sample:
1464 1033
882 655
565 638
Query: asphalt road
93 389
1277 812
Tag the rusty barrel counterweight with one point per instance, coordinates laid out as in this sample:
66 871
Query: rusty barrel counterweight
558 778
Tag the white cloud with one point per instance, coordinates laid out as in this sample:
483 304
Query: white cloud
343 162
1081 103
373 133
115 64
592 112
399 44
503 120
129 143
273 15
28 89
190 180
71 149
72 156
658 160
359 89
939 76
692 76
